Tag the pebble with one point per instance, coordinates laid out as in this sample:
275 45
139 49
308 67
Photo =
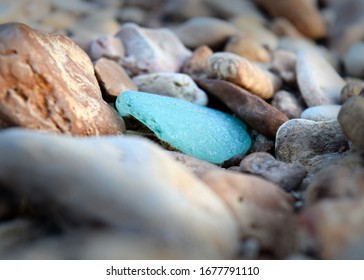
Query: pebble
312 24
106 46
288 104
205 31
256 29
215 137
261 143
242 72
305 141
143 189
342 180
251 109
284 64
112 78
329 228
350 119
353 61
318 81
185 9
176 85
235 8
321 113
248 47
150 50
282 27
65 99
352 88
286 175
197 65
261 208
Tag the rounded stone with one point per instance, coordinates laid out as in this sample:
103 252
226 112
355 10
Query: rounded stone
321 113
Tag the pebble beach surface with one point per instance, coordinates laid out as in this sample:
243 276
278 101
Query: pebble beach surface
171 129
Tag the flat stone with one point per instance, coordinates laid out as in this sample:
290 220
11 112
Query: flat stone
205 31
124 183
150 50
197 65
176 85
198 131
106 46
288 104
352 88
240 71
353 61
253 110
249 47
312 24
262 209
301 140
288 176
318 81
112 78
49 84
351 120
321 113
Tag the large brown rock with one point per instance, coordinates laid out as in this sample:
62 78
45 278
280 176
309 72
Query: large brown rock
48 83
250 108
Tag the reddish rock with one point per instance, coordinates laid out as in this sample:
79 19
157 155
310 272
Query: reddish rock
48 83
248 107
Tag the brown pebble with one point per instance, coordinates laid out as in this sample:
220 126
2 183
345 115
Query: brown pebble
248 107
112 78
352 88
197 65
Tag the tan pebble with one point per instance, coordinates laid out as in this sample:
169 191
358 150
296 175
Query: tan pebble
197 65
248 47
112 78
240 71
284 28
302 13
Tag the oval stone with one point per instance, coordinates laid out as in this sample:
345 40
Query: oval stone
201 132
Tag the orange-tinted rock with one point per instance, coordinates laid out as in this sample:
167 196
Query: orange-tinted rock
48 83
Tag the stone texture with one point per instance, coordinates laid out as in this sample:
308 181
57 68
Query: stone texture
329 228
352 88
288 104
287 176
318 81
196 130
197 65
112 78
321 113
351 120
49 83
150 50
262 209
240 71
94 180
249 47
176 85
301 140
106 46
353 62
205 31
342 180
196 166
248 107
302 13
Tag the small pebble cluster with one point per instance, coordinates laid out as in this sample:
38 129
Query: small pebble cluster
181 129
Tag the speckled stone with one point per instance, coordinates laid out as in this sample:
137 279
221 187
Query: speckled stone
196 130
